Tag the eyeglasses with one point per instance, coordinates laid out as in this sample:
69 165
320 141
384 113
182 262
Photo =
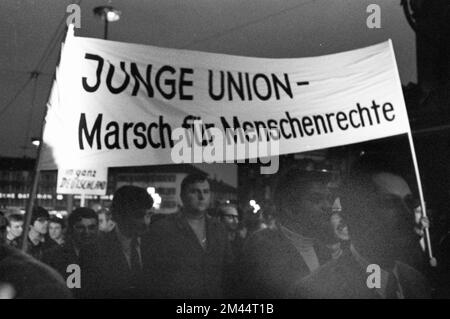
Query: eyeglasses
231 216
42 219
85 228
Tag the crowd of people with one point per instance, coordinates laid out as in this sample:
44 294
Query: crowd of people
303 248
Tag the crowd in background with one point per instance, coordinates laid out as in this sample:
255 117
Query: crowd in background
309 243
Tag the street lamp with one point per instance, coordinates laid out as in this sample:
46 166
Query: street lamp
36 141
107 14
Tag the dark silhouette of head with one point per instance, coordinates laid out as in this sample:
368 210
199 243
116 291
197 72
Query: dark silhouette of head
129 207
375 207
82 226
304 201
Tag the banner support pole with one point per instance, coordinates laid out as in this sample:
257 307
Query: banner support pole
82 200
433 261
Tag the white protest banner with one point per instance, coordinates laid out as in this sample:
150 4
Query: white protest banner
119 104
84 181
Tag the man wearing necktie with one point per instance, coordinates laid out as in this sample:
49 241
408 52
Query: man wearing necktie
120 249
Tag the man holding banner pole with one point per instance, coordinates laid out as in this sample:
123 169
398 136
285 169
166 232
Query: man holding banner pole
384 256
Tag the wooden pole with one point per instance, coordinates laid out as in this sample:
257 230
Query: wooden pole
30 203
433 261
36 172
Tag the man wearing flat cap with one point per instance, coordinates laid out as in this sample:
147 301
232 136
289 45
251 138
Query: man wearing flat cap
120 250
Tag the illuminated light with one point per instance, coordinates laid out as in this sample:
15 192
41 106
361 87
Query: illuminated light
227 201
59 197
113 16
59 215
324 170
256 208
108 13
252 202
151 191
35 141
155 196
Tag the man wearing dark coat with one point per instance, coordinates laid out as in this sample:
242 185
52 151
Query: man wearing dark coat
275 258
186 253
375 264
121 250
80 248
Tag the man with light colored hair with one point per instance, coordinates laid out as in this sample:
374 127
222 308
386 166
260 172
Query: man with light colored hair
14 229
105 221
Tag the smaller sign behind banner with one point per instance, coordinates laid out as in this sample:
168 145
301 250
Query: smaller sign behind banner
87 181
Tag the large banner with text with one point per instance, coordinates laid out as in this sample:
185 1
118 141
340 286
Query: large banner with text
120 104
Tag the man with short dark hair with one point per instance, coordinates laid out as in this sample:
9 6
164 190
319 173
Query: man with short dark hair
14 230
229 217
185 253
121 249
274 258
37 232
55 230
79 248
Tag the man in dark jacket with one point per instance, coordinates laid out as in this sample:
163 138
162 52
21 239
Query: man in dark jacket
273 259
37 233
80 248
121 249
383 241
186 253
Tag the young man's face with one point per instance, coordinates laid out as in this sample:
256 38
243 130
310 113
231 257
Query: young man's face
85 231
41 225
15 229
55 231
196 197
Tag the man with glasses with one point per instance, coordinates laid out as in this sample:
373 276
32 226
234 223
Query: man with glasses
381 228
229 217
273 259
